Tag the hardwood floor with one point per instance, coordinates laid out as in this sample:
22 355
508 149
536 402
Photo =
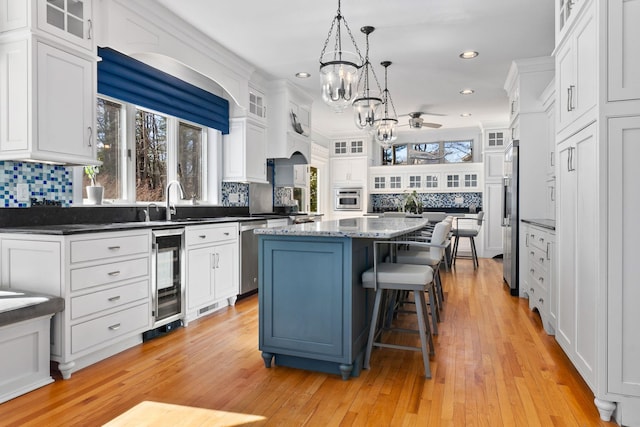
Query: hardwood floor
494 366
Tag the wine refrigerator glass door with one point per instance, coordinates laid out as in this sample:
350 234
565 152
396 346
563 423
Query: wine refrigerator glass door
168 272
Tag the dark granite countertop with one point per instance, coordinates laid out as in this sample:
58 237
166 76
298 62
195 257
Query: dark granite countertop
66 229
17 306
549 224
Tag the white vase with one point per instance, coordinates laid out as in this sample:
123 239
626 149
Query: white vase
94 195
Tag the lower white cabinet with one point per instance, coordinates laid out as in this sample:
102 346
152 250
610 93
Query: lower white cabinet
539 283
213 269
104 279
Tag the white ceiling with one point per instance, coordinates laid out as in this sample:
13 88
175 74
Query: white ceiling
421 37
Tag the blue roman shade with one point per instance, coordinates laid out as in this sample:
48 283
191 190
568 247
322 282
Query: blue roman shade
127 79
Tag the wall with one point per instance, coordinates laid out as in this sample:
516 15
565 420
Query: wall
235 194
387 202
50 184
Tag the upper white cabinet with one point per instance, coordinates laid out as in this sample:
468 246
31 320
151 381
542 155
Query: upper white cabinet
289 121
244 152
52 106
495 139
353 147
566 12
349 171
623 61
257 104
576 78
70 20
47 81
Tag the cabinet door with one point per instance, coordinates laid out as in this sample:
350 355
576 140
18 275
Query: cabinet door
66 105
623 270
14 87
226 271
341 170
200 265
623 34
564 84
256 167
577 243
492 221
69 20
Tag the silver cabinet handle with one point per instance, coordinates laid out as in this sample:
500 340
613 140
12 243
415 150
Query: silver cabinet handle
541 300
548 251
217 260
203 236
114 248
90 30
90 129
114 273
114 327
115 298
213 261
226 233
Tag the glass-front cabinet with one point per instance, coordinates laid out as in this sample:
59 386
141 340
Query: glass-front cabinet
68 19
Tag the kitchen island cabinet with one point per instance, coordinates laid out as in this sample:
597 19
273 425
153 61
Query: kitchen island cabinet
314 312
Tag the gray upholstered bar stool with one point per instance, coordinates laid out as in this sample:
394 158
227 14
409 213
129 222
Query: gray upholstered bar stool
432 256
470 230
386 278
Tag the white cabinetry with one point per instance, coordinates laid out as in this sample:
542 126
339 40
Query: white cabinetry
350 171
623 293
244 152
285 101
578 242
623 61
539 279
47 86
104 279
493 159
576 86
212 267
355 147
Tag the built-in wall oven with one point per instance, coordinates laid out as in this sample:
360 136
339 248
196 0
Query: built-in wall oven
167 280
348 199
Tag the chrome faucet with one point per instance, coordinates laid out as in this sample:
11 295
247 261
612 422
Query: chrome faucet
147 217
172 209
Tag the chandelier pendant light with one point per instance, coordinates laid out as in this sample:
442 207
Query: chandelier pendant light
365 106
338 68
386 126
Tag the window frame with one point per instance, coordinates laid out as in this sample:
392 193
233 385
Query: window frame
128 177
409 148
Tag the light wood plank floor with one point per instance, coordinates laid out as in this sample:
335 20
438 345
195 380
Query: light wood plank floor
494 366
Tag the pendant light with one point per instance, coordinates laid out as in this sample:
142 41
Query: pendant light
386 126
338 68
366 106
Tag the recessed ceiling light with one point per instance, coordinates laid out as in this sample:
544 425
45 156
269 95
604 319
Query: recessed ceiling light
465 115
466 91
303 75
469 54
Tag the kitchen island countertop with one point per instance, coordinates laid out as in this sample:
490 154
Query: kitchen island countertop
360 227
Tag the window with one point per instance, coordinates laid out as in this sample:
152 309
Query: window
415 181
379 182
395 182
428 153
109 146
163 148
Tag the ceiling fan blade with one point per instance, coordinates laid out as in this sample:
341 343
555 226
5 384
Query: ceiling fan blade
431 125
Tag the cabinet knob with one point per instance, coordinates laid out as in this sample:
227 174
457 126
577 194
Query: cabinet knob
531 290
541 300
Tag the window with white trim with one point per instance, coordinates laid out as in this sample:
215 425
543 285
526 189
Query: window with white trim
379 182
395 182
453 181
415 181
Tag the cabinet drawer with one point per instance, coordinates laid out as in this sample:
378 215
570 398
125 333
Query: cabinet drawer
87 277
98 249
538 257
104 329
538 276
197 235
538 240
109 298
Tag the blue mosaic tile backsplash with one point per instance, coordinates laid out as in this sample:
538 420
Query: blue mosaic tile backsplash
46 182
282 196
240 188
429 200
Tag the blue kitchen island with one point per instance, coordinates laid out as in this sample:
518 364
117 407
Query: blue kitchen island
313 311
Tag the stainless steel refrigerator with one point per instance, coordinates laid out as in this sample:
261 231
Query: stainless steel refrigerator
510 217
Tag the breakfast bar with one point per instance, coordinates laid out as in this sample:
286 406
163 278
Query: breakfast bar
314 312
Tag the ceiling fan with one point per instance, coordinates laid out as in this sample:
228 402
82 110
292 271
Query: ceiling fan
417 122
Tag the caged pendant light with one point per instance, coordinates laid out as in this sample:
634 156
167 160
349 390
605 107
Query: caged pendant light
338 68
386 126
365 106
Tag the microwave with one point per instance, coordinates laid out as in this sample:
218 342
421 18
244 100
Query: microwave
348 199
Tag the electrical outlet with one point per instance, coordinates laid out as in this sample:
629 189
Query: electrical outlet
234 198
459 200
23 192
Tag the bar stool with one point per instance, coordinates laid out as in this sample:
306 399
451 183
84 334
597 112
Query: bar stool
387 278
471 233
433 257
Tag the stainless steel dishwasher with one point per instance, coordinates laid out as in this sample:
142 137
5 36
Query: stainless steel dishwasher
249 256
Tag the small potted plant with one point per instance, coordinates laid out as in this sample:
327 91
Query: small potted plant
94 191
412 203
